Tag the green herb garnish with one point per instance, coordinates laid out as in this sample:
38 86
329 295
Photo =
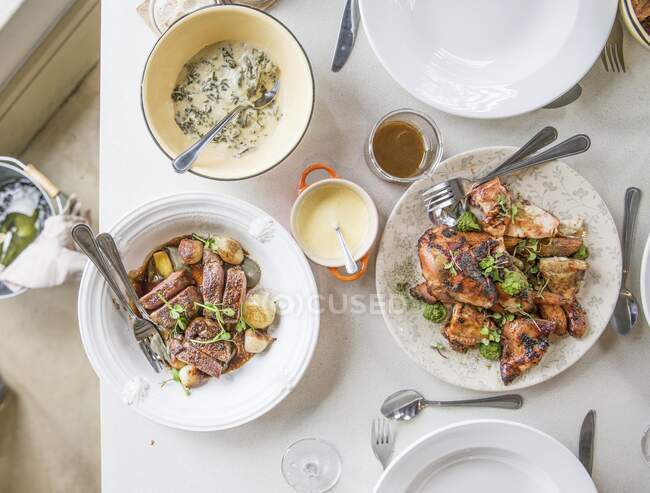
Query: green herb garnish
514 282
439 348
177 313
467 222
436 313
582 253
176 377
490 351
451 265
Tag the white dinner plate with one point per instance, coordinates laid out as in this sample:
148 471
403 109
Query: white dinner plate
489 456
487 59
553 186
645 279
237 397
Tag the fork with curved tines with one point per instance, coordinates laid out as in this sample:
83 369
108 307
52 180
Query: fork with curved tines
446 201
382 440
612 54
144 331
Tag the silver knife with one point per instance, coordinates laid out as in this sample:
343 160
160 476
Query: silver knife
347 35
586 443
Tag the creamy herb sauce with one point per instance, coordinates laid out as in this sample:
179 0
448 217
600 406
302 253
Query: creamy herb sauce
216 80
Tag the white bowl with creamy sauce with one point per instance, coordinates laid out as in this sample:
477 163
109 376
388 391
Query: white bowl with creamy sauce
327 203
245 29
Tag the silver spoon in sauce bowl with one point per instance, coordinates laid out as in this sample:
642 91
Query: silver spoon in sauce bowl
185 160
405 405
351 266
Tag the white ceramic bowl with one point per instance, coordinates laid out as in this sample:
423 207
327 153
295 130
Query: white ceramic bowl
207 26
487 59
632 23
373 217
235 398
645 279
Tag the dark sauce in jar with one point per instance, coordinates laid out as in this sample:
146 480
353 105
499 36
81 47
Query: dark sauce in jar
399 148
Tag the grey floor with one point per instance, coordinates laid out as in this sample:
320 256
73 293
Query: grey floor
49 424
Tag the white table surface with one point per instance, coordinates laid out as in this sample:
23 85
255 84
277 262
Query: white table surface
357 363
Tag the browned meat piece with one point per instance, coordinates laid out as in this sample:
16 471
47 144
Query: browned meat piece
234 292
548 298
492 202
577 319
202 361
450 265
421 292
523 343
187 299
559 247
517 303
549 247
210 256
642 11
532 222
196 271
213 281
464 329
168 288
564 275
554 313
190 251
212 358
204 329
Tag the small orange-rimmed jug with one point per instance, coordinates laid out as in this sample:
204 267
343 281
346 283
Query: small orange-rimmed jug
322 205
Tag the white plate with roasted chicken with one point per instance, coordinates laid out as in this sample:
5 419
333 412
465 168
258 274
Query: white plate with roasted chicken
234 298
515 293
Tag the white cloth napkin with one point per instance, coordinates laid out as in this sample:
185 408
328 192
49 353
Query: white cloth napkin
52 258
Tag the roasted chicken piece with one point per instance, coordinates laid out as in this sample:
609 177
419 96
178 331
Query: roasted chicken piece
517 303
564 275
464 329
531 221
523 342
450 265
167 289
554 313
491 202
576 319
558 246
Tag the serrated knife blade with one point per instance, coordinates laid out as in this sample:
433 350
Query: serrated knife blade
586 442
347 34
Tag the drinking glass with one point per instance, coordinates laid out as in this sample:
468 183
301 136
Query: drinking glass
311 465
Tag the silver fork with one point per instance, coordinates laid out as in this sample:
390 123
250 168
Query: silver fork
382 440
445 201
612 54
144 331
150 330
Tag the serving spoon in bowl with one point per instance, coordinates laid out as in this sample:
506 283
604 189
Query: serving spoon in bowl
185 160
404 405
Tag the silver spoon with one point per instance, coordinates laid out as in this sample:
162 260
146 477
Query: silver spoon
405 405
351 266
626 312
184 161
